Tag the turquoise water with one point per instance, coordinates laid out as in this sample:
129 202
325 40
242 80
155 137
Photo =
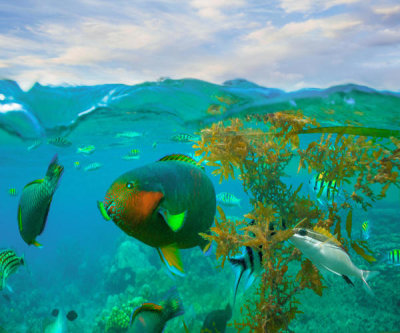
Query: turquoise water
89 265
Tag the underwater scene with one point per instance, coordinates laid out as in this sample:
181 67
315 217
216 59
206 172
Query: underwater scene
188 206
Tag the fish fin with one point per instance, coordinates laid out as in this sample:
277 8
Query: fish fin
175 222
239 267
144 307
330 270
100 206
36 181
173 306
19 218
346 278
37 244
172 259
181 158
45 216
185 327
367 275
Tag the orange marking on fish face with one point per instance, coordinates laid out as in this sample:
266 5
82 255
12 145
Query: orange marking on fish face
142 205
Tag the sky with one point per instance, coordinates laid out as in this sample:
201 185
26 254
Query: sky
287 44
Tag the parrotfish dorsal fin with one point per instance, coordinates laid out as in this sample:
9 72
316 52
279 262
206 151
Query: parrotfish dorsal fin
326 233
36 181
181 158
175 222
172 259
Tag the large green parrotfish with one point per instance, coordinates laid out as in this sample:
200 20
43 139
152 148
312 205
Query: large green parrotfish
165 204
35 201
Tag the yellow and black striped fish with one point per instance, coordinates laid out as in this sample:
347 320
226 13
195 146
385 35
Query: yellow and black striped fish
59 141
13 192
9 263
324 189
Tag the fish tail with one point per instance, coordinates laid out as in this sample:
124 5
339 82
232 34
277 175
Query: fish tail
37 244
239 266
367 275
173 306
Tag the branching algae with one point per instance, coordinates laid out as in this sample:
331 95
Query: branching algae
258 151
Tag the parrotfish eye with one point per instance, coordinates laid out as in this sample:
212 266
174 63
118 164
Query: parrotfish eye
303 232
130 185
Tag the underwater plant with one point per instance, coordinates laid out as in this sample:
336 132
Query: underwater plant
258 151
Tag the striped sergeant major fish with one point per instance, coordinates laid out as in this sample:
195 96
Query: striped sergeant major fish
365 230
325 190
59 141
9 263
394 257
183 137
13 192
228 199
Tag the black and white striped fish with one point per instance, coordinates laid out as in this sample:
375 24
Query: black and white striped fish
59 141
247 265
9 263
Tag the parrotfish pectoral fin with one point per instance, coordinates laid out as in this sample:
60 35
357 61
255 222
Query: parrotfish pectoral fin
103 211
174 221
37 244
171 258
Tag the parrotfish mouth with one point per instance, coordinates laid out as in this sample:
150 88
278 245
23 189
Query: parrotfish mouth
107 213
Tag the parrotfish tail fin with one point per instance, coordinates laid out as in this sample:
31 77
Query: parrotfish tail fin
172 305
37 244
367 275
239 266
171 257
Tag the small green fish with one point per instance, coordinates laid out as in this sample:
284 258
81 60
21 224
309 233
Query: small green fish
86 150
129 134
35 201
13 192
228 199
77 165
365 230
183 137
93 166
154 145
134 152
60 141
130 157
152 317
9 263
394 257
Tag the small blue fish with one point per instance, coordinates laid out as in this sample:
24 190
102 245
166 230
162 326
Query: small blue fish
86 150
93 166
394 257
228 199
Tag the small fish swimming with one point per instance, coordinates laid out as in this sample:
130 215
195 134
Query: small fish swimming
134 152
34 145
129 135
59 141
228 199
154 145
77 165
35 201
247 265
325 251
325 190
216 320
86 150
152 317
13 192
165 204
9 263
130 157
394 257
183 137
365 230
93 166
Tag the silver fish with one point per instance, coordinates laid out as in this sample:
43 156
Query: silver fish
325 251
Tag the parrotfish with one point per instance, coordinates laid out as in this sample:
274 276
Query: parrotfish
35 201
325 251
165 204
152 317
9 263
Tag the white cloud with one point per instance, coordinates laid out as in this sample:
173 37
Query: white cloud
305 6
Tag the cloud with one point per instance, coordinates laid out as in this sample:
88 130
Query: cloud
276 45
